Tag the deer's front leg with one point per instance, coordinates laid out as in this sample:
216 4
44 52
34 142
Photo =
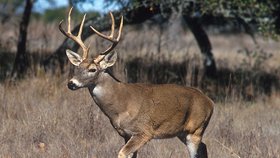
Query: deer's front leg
134 143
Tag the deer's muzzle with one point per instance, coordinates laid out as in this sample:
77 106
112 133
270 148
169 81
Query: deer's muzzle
71 85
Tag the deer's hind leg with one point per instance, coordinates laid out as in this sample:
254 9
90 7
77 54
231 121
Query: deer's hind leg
196 148
132 145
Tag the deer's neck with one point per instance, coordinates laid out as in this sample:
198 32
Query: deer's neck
105 94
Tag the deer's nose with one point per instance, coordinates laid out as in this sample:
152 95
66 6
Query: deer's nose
71 85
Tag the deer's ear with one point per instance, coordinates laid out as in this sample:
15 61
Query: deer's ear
73 57
109 60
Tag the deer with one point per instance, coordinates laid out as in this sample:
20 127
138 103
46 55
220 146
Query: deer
139 112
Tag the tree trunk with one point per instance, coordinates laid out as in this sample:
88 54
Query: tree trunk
21 62
204 45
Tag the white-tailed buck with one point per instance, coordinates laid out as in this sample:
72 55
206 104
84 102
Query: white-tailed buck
140 112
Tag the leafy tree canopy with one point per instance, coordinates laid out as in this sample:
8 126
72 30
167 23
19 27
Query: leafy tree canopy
264 14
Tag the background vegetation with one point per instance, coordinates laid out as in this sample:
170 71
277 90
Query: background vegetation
40 117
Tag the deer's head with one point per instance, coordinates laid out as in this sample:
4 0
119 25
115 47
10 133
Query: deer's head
88 70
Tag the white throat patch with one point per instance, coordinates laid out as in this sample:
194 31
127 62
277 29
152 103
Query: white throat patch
98 91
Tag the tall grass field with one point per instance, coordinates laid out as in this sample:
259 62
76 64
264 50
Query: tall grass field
41 117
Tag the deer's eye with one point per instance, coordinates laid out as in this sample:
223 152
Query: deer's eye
91 70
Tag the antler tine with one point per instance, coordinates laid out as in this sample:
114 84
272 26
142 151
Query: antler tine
81 26
110 38
69 20
120 29
112 26
78 37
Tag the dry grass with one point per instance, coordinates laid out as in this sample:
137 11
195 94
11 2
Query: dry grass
40 117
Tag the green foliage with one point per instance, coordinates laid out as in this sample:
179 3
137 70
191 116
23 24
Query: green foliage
54 14
261 13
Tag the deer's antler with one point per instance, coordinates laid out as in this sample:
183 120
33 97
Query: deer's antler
111 38
78 37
